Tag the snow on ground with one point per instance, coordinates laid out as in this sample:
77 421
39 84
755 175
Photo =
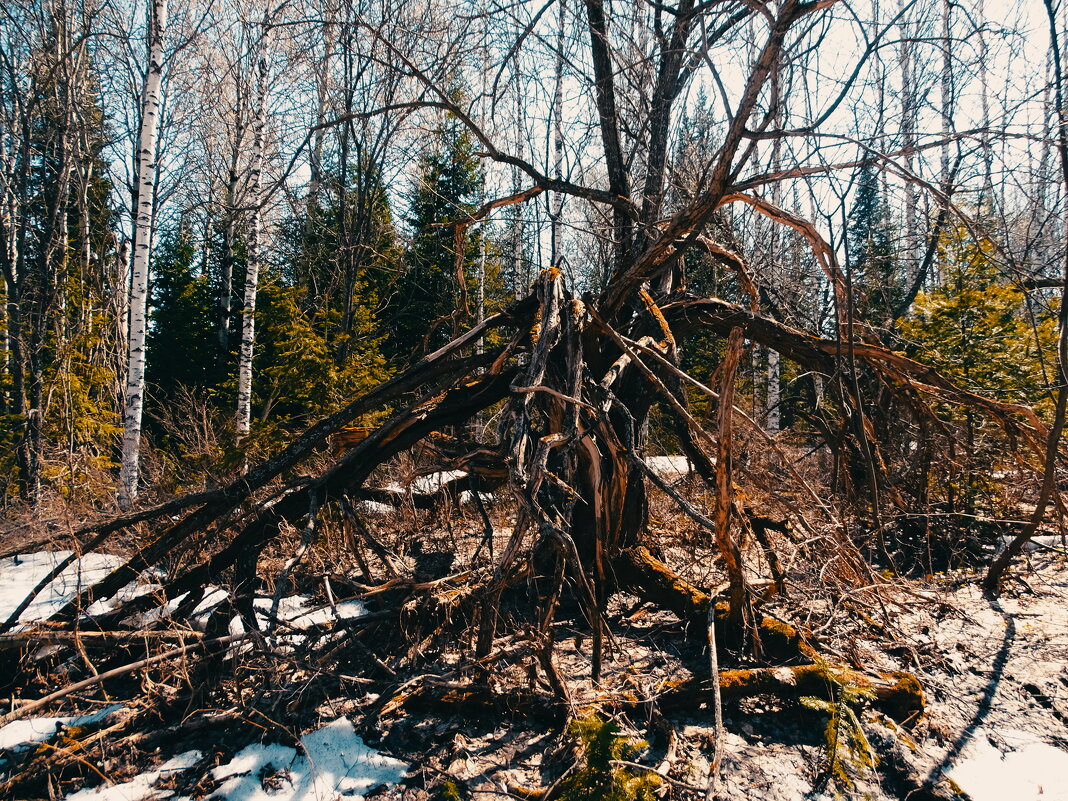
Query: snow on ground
669 467
335 762
295 610
435 481
375 508
143 785
467 498
1001 691
1030 770
21 733
1000 697
20 574
428 484
1050 542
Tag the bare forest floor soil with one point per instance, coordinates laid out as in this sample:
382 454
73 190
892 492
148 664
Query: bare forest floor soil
996 725
995 676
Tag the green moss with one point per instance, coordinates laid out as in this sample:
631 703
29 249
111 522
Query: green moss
599 779
451 791
848 752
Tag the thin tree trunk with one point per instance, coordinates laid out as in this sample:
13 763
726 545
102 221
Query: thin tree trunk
229 250
727 545
556 201
773 397
252 269
948 106
129 471
987 194
908 141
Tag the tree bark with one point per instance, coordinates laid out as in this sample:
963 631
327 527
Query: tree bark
252 266
129 472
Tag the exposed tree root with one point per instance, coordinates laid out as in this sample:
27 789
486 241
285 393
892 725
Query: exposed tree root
573 397
645 575
899 694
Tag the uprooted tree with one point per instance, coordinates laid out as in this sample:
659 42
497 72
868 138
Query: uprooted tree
576 380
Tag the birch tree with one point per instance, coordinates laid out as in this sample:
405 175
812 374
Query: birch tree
147 143
252 266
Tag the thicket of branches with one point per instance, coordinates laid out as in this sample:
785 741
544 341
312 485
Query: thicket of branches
538 244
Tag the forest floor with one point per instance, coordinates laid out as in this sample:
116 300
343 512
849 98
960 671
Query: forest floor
995 727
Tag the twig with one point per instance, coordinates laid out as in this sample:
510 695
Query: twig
76 758
672 781
21 639
33 706
717 706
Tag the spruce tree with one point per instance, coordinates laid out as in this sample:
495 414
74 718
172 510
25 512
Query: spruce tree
427 292
877 285
182 338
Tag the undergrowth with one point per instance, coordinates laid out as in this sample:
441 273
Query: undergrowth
600 779
848 752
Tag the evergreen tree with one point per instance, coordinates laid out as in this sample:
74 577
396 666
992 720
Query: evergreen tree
84 334
427 293
182 339
877 285
974 329
320 338
60 279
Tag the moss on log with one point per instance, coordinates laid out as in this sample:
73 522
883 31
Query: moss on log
899 694
643 574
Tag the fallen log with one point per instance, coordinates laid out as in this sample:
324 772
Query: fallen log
24 639
642 573
898 694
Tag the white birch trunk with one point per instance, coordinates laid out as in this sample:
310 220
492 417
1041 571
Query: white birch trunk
252 270
777 258
556 210
948 106
129 471
984 83
1043 192
908 141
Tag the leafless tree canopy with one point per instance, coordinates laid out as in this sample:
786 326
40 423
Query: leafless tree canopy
718 227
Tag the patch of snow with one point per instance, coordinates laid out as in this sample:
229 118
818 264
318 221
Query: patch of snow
130 591
375 508
213 596
20 574
1031 770
669 466
21 733
142 786
294 611
435 481
1049 541
335 762
467 498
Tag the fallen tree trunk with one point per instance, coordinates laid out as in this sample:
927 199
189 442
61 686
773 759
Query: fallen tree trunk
900 695
641 572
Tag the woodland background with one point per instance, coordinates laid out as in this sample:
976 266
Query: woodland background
320 144
631 358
